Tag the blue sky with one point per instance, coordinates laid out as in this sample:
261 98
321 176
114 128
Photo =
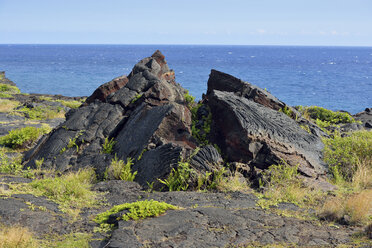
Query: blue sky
227 22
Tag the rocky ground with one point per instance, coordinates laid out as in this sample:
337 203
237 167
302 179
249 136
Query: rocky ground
153 121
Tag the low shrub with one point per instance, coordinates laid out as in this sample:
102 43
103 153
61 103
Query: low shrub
349 156
23 137
120 170
189 99
9 89
326 115
137 210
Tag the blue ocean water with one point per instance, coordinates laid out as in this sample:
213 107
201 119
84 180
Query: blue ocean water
332 77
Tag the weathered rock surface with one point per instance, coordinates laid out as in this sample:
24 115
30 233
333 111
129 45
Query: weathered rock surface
103 91
212 220
224 82
204 220
365 117
5 80
249 132
145 113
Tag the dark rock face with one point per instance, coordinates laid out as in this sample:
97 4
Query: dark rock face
107 89
249 132
5 80
206 159
365 117
225 82
145 113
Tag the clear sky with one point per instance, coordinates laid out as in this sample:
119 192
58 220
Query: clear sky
229 22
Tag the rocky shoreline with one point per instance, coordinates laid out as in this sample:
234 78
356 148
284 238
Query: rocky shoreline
234 134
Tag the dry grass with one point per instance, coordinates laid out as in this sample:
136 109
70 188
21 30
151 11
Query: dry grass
16 237
357 206
362 178
8 105
233 184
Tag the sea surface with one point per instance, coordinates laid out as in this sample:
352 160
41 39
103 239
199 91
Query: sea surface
338 78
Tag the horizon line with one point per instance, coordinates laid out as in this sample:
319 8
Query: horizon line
132 44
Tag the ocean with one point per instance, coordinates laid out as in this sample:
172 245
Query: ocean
337 78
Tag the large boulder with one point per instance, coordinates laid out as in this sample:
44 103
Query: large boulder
248 127
224 82
144 113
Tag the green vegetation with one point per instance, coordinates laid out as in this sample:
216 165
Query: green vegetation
315 112
178 179
201 134
136 97
72 142
287 111
71 191
108 146
71 104
189 99
349 156
137 210
9 165
23 137
350 163
284 185
20 237
120 170
68 103
7 90
74 240
183 177
41 113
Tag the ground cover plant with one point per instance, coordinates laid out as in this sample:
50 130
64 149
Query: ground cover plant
136 210
23 137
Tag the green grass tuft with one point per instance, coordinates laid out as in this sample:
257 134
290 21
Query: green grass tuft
41 113
22 137
71 191
108 146
120 170
137 210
